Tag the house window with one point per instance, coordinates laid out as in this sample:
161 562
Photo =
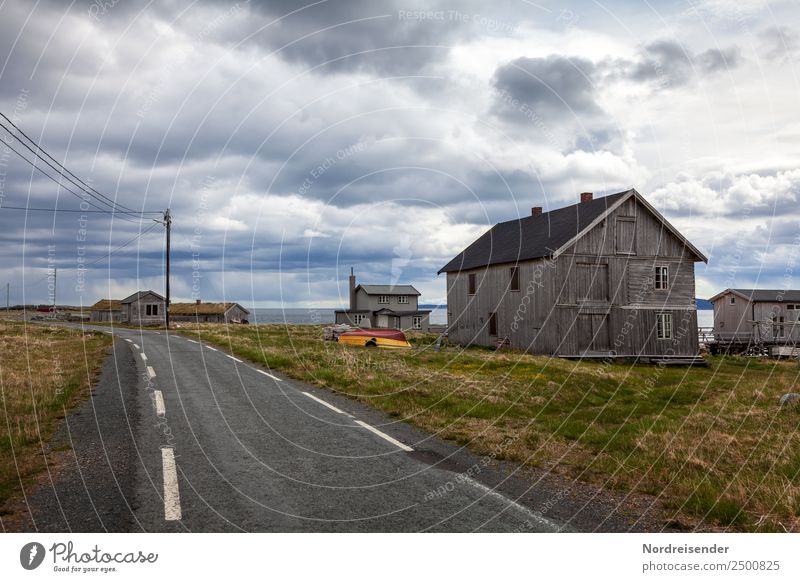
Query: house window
662 277
733 300
472 284
383 299
664 325
493 323
626 235
402 299
514 279
358 318
416 322
151 309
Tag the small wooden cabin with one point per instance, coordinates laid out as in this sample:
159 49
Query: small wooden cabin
107 310
208 312
746 317
607 277
143 308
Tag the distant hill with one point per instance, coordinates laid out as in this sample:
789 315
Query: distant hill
704 304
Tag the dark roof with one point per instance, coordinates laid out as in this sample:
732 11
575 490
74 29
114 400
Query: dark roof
389 289
764 295
203 308
138 294
535 237
107 305
531 237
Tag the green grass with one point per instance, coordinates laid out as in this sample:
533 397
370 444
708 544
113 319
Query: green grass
710 442
44 371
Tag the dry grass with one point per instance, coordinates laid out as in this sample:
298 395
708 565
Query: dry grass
711 442
43 372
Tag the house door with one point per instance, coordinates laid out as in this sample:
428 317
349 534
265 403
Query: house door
592 330
383 321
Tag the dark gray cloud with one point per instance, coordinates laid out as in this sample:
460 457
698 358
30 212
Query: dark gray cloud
669 63
779 43
554 85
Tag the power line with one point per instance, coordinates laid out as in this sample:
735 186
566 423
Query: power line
41 149
121 216
4 207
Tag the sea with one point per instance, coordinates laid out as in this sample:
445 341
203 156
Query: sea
705 317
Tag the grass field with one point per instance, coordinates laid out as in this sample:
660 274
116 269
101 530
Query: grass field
43 372
712 442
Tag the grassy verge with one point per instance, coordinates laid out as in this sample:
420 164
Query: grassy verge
43 372
711 442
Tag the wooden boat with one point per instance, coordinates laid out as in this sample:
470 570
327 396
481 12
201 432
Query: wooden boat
375 338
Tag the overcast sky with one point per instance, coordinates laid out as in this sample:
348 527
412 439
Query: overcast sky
294 141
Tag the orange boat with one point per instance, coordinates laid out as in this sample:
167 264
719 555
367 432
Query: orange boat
375 338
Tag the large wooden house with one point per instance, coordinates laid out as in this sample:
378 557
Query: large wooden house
608 277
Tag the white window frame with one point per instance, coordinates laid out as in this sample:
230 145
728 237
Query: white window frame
416 322
358 318
663 326
402 299
662 278
383 299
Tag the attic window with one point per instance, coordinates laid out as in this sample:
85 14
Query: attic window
472 286
514 279
732 300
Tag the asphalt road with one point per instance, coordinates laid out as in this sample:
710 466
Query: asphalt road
180 436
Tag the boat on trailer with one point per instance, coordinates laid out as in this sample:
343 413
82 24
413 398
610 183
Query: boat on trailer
375 338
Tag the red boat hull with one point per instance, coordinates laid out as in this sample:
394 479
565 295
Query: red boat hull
393 334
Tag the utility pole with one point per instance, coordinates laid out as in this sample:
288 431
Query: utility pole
168 225
8 294
55 286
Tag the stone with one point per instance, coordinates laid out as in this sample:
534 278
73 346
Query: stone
790 399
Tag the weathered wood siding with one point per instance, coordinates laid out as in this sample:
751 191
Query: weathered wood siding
137 310
598 297
733 322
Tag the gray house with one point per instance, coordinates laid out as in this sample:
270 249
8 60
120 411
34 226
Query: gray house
107 310
201 312
384 306
744 317
143 308
608 277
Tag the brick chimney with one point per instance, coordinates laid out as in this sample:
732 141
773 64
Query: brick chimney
536 211
586 196
352 289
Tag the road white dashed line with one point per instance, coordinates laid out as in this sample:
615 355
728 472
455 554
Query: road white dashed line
191 340
172 496
331 406
161 410
144 357
129 340
210 348
136 346
232 358
151 372
385 436
270 375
